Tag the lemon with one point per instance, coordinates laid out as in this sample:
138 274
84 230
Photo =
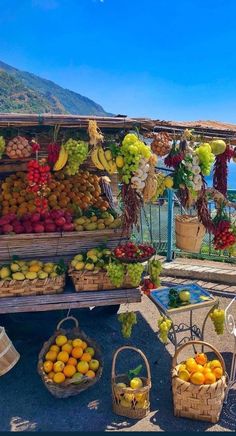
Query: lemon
120 162
184 375
79 266
18 276
125 403
31 275
4 273
15 267
89 266
136 383
169 182
61 340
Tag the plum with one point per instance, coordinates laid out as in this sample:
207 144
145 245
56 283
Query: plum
7 228
39 228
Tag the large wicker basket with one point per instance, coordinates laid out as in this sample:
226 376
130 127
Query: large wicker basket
17 288
8 354
67 388
94 281
139 395
189 233
202 402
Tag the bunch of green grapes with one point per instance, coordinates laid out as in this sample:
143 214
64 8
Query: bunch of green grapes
77 154
127 320
135 271
206 158
164 325
132 150
154 270
116 273
218 318
2 146
161 185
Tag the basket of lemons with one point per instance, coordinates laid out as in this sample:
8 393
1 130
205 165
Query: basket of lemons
130 392
69 361
199 383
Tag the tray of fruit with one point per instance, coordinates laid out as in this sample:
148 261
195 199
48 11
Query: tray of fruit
69 361
133 253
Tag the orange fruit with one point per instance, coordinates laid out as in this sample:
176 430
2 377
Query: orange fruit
215 364
47 366
201 358
67 347
69 370
218 372
72 361
54 348
83 367
77 342
58 366
34 268
59 377
51 375
63 356
209 378
206 370
51 355
77 352
61 340
86 357
191 364
90 374
200 368
84 345
197 378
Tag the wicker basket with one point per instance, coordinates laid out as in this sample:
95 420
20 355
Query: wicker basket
68 389
118 392
13 288
94 281
189 233
8 354
202 402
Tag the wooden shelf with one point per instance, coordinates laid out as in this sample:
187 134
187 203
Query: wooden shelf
69 300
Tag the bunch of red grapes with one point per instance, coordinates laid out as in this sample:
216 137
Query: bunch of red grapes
224 236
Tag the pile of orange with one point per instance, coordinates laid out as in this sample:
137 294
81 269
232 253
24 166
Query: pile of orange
68 359
198 370
64 192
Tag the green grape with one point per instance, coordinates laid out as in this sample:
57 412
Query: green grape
206 158
77 154
218 319
127 321
135 271
116 273
2 146
154 270
132 150
164 325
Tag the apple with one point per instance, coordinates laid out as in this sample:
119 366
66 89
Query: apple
90 350
218 146
94 364
184 296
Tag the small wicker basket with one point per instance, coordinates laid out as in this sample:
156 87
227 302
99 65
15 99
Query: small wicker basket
140 397
68 388
189 233
8 354
202 402
94 281
17 288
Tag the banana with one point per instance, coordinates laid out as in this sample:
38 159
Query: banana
62 159
95 159
103 160
113 167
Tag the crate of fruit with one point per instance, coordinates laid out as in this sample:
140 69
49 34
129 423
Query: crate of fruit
199 383
97 270
69 361
22 278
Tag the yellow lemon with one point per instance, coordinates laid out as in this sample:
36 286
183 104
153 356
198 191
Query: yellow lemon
136 383
61 340
184 375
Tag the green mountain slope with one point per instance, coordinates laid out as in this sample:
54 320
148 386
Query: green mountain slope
25 92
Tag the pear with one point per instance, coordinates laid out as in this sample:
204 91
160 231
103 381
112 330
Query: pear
18 276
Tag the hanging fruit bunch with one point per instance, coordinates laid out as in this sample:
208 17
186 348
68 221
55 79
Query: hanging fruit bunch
220 174
174 157
38 178
206 158
127 320
164 325
18 148
218 318
77 154
161 144
2 146
102 157
224 232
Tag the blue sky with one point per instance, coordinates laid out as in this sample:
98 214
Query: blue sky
163 59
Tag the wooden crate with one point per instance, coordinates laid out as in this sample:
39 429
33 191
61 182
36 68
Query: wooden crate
91 281
14 288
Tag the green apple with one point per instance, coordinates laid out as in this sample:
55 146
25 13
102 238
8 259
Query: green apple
184 296
94 364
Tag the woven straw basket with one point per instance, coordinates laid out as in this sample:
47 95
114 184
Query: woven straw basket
8 354
67 388
189 233
94 281
118 392
17 288
202 402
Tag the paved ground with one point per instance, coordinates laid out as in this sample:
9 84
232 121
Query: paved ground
26 405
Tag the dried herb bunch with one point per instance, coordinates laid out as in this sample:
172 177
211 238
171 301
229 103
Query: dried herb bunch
132 204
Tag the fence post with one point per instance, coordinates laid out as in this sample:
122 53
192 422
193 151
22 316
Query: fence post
170 226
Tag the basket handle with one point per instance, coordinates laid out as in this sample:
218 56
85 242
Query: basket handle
65 319
174 360
127 347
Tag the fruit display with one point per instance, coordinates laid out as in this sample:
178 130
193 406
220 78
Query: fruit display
95 259
127 320
97 220
179 298
164 325
132 400
161 144
70 360
103 160
62 158
198 370
133 150
77 154
218 318
18 148
30 270
206 158
2 146
131 252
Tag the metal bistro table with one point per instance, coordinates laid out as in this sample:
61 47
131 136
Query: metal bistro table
199 299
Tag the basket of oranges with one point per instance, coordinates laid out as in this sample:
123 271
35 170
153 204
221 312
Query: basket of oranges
69 361
199 384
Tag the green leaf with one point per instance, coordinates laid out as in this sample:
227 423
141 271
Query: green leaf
135 372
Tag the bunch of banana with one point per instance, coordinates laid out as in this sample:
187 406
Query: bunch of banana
62 159
103 160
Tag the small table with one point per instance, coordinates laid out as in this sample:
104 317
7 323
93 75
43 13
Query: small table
199 299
